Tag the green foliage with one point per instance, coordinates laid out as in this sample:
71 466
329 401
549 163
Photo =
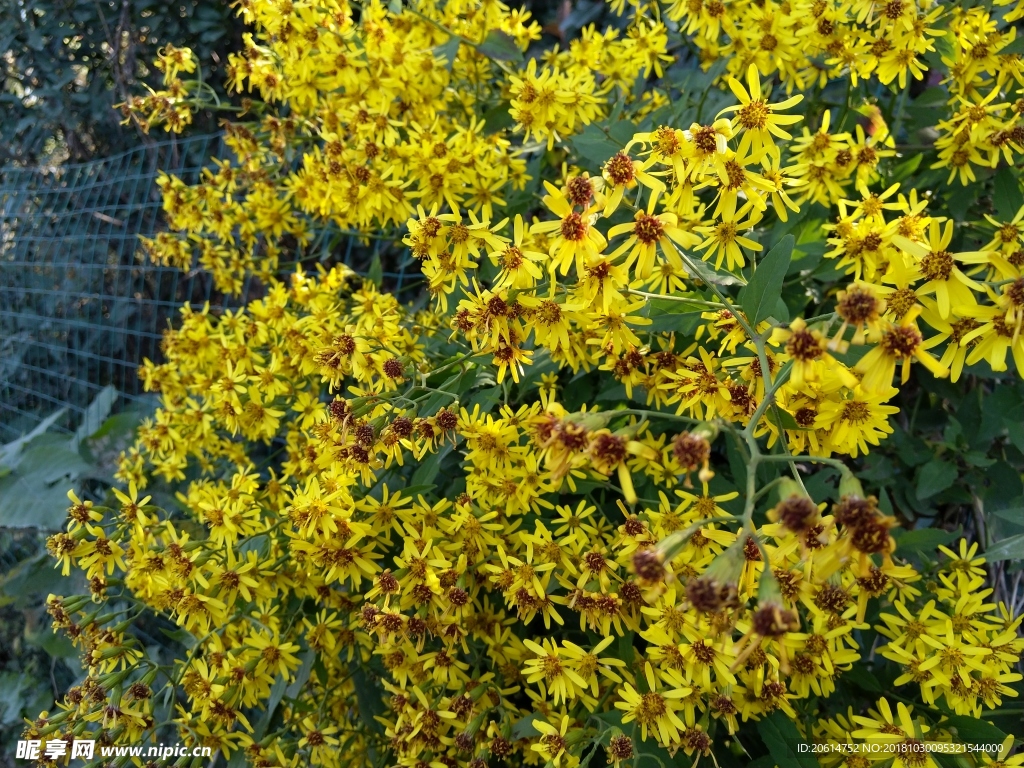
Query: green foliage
36 471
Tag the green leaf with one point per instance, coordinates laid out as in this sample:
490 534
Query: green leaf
448 51
704 271
781 311
783 418
780 735
934 477
1017 46
1013 514
762 293
95 415
428 469
302 674
35 494
971 730
498 118
670 315
368 696
9 451
1007 194
865 679
57 645
276 694
923 539
182 636
525 729
500 46
119 427
1007 549
594 145
375 274
32 579
907 167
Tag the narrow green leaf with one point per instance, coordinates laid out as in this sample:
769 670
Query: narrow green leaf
9 451
934 477
781 311
448 51
907 167
376 272
865 679
1007 193
500 46
95 415
923 540
1012 514
276 694
369 697
429 468
525 729
761 295
971 730
498 118
784 419
302 674
780 735
680 316
1007 549
705 272
594 145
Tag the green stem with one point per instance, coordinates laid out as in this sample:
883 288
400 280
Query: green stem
655 415
740 318
771 387
680 299
810 459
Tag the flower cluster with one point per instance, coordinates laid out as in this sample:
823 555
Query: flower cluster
560 501
956 645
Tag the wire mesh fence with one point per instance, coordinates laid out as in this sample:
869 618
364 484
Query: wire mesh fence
81 305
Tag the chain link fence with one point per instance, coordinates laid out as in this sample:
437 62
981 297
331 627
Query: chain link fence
81 305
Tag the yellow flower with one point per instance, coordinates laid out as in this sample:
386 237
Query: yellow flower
952 288
654 711
758 120
647 231
722 240
900 345
552 744
856 421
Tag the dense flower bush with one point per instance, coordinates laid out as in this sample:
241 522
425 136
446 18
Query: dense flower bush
556 508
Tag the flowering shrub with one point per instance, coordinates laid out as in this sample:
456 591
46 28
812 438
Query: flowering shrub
559 508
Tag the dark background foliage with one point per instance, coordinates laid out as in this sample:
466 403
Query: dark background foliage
66 63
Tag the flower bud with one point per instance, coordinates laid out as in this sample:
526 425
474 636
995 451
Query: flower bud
691 451
707 594
649 565
796 513
849 485
772 620
620 747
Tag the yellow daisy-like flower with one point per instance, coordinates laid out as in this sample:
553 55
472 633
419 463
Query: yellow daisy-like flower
899 346
654 711
883 728
756 118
